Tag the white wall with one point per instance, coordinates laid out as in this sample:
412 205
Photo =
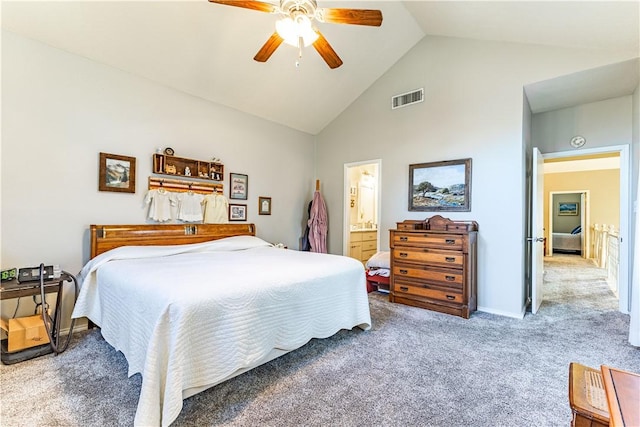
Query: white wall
473 108
603 124
60 110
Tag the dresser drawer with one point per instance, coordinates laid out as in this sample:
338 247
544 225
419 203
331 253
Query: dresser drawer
355 237
400 288
429 256
452 278
432 240
370 235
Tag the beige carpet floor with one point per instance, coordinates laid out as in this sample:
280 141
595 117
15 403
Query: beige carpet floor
413 368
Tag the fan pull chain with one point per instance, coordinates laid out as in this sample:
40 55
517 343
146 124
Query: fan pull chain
300 44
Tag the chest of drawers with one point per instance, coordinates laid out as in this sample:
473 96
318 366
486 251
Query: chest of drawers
434 266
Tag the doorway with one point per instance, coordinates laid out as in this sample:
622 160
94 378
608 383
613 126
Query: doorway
622 272
361 237
568 214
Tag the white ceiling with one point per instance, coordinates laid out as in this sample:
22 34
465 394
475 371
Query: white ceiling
206 49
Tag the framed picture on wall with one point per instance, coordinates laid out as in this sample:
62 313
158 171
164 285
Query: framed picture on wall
238 186
237 212
568 208
117 173
264 205
440 186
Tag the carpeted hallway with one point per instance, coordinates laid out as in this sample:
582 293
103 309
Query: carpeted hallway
413 368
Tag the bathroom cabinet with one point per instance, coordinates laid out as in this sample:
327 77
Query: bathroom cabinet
363 244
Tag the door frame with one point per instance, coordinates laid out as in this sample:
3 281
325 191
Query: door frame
624 282
346 229
585 213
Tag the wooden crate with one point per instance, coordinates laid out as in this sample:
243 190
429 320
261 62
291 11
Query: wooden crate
24 332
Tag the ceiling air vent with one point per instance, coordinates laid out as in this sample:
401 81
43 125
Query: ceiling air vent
408 98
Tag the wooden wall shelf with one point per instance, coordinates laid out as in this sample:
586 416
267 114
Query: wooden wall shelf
177 166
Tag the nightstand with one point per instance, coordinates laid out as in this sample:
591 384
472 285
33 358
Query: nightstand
14 289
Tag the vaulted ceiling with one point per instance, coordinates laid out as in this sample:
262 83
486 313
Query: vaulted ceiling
206 49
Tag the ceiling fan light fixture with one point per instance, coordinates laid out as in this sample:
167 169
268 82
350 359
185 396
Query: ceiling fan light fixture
292 30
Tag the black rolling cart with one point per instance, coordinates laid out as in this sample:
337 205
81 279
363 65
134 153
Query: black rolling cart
14 289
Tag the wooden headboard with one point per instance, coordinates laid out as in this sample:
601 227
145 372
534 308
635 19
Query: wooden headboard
106 237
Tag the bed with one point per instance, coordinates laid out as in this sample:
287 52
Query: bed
568 242
191 306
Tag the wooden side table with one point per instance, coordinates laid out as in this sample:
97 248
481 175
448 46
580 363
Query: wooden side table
14 289
623 396
587 397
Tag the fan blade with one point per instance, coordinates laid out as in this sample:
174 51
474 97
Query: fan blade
350 16
254 5
326 51
268 48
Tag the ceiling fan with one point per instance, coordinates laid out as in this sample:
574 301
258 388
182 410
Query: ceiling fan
295 27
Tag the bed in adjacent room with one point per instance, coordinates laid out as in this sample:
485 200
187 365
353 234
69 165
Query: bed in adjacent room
188 316
568 242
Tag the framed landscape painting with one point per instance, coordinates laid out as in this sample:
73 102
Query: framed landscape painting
568 208
117 173
440 186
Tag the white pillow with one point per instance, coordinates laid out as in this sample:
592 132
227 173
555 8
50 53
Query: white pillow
380 260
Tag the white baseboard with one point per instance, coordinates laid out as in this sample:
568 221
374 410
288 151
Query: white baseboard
504 313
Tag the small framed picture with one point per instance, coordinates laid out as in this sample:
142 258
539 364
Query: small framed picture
117 173
237 212
568 208
264 205
238 186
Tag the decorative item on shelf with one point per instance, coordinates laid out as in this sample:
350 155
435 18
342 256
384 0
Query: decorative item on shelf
169 151
170 169
187 171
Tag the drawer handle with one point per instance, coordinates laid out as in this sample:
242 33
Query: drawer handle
450 241
450 278
450 297
403 238
404 289
403 271
403 255
450 259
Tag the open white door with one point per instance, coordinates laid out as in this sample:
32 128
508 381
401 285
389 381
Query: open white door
584 242
537 230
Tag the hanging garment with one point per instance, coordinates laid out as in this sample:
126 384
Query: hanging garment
215 209
160 202
306 246
318 224
190 206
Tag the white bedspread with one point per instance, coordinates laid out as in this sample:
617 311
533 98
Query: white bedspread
190 316
567 241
